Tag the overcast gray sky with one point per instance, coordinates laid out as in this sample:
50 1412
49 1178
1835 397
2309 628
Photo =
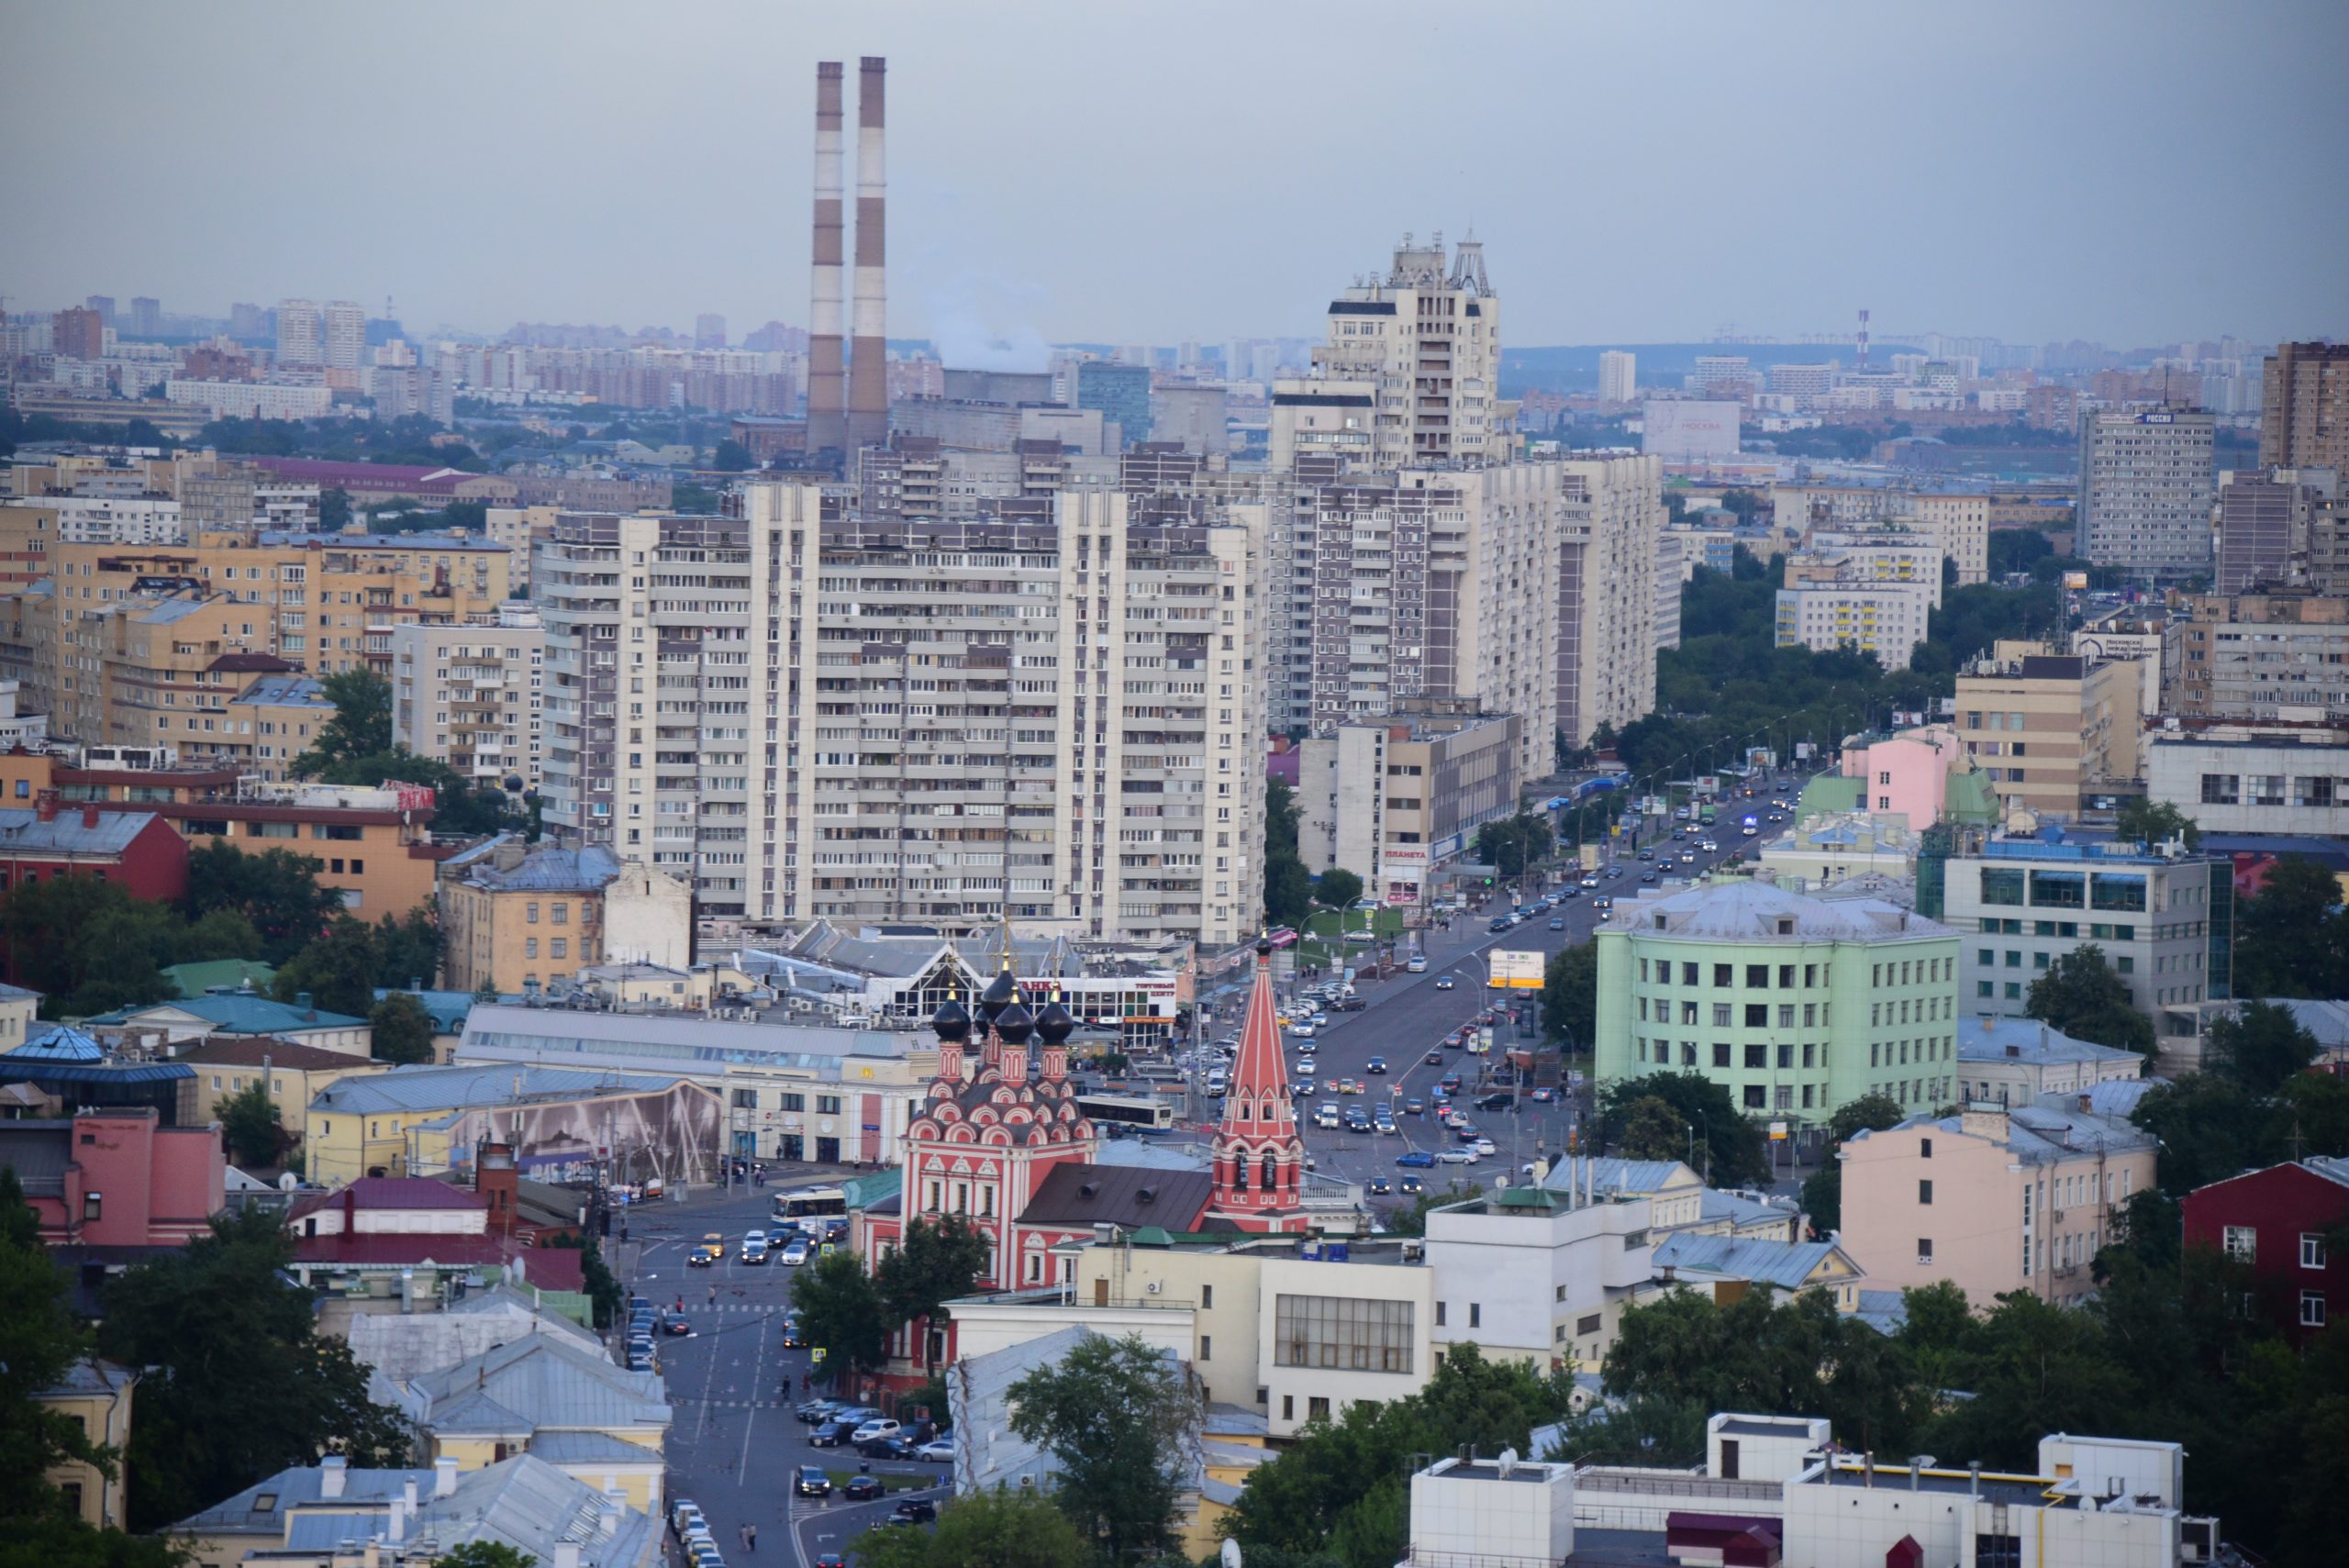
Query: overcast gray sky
2131 170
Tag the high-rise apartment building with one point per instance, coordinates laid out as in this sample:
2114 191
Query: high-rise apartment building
1871 590
2045 727
1619 376
1055 709
709 330
471 693
301 332
103 303
2146 486
1528 588
146 317
2304 406
344 334
1958 523
78 333
2272 656
1428 338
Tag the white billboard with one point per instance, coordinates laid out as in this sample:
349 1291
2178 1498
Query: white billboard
1516 971
1684 430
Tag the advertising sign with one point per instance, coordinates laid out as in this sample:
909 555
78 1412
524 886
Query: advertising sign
2076 581
1516 971
1590 857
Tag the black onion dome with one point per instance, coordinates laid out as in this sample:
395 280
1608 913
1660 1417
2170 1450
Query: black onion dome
951 1022
1014 1023
1056 1023
1001 992
1265 945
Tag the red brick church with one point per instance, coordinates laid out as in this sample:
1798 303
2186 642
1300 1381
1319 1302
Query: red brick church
1001 1143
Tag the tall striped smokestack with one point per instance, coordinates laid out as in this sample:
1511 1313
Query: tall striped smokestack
827 387
868 369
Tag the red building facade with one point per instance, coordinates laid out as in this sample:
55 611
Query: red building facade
137 851
2275 1222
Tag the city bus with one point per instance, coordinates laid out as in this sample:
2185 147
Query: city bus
1143 1113
808 1203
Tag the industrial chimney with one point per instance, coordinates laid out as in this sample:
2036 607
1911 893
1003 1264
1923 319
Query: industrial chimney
827 390
868 368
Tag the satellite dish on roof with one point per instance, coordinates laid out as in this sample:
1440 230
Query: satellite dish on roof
1231 1554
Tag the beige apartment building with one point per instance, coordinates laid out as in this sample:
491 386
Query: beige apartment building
1873 591
1958 526
1391 797
520 529
520 918
2304 406
2045 727
274 720
1993 1200
1426 335
328 601
2272 656
891 721
471 693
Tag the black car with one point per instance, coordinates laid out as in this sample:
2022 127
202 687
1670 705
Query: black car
914 1511
811 1482
1503 923
794 1336
862 1488
817 1411
890 1448
831 1434
1494 1102
676 1323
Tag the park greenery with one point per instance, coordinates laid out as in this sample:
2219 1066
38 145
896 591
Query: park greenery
1120 1418
1288 885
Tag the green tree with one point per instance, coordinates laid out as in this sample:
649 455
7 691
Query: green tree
88 946
2147 821
1726 1142
2081 995
605 1295
938 1260
338 970
334 509
841 1308
252 1125
403 1030
2261 1047
1512 845
239 1384
1650 1128
1121 1418
361 725
39 1341
1338 888
2209 1129
731 457
1570 995
1281 818
407 950
485 1554
276 892
1288 891
1822 1191
988 1529
2290 937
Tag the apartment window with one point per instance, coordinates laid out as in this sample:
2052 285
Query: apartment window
2241 1242
746 1099
1288 1406
530 913
1924 1249
1757 1056
1721 1017
1317 1408
2221 789
827 1105
1206 1346
1757 1015
1925 1193
2311 1309
2312 1250
796 1102
1475 1315
1810 1015
1757 976
530 947
562 914
92 1205
1206 1298
1785 1055
1720 1053
1440 1311
562 948
1925 1149
1754 1098
1724 974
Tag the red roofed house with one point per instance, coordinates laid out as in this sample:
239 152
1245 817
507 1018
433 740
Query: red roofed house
406 1237
136 850
2275 1221
391 481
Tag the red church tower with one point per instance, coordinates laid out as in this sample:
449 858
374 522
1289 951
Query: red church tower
1259 1158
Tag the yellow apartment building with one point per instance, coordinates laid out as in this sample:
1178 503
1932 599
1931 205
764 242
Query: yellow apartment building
293 1074
95 1395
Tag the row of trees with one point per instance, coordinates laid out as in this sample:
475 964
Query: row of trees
1290 887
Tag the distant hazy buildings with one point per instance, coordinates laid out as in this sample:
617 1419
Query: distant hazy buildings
2147 487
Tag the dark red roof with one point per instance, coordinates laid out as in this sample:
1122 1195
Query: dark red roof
389 1192
409 1247
246 1051
364 475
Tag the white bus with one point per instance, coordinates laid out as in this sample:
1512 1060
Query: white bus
808 1203
1143 1113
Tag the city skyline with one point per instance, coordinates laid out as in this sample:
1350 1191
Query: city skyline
2059 211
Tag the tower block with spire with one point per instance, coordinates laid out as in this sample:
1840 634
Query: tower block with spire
1259 1159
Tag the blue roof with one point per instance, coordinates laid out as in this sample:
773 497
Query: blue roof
235 1012
448 1007
59 1043
286 690
1786 1264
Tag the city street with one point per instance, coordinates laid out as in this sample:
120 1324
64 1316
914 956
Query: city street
734 1444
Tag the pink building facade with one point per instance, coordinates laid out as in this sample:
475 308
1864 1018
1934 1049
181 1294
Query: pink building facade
1907 775
1992 1200
117 1179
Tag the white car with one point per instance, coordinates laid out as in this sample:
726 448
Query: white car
879 1426
1304 1068
796 1250
1484 1146
1456 1157
1302 1030
1709 847
1749 832
936 1450
1415 966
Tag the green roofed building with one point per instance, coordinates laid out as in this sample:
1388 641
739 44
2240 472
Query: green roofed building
221 974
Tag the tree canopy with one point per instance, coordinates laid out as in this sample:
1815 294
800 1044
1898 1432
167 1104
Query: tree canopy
1338 888
1729 1148
1514 843
842 1310
2292 937
937 1261
1120 1418
2083 996
2148 821
1570 995
239 1383
276 892
987 1529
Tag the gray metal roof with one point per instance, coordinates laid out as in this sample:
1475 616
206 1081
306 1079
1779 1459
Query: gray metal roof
23 832
38 1153
287 691
547 869
649 1040
420 1088
541 1380
1786 1264
1997 1039
1615 1175
403 1346
1744 910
